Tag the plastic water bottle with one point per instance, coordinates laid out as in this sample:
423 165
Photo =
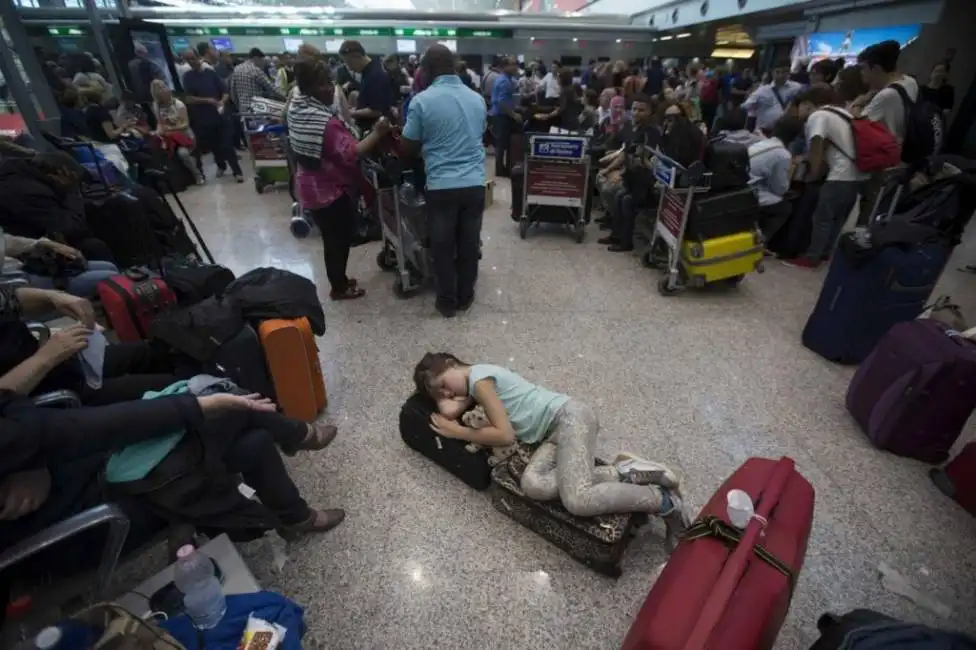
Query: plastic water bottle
203 598
408 193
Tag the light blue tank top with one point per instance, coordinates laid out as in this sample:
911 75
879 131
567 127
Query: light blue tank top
531 409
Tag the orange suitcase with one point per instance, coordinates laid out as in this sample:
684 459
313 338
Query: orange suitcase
293 360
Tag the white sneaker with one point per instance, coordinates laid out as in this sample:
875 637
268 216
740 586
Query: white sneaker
634 469
675 520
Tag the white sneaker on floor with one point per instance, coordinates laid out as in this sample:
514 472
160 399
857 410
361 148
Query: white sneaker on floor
641 471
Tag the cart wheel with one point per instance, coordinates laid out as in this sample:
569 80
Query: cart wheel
580 234
259 186
734 280
648 261
400 292
385 261
523 228
665 288
300 228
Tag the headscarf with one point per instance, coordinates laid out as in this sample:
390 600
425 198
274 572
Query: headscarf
617 102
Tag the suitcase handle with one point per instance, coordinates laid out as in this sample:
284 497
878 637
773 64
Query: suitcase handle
738 561
135 274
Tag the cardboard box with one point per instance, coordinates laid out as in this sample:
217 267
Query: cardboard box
489 194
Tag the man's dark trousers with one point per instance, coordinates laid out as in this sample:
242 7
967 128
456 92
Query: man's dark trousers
454 224
502 127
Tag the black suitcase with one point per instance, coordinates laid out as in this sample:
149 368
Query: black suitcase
242 360
470 467
598 542
718 214
193 283
793 238
518 183
729 164
865 628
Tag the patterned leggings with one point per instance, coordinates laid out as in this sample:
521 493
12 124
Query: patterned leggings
563 466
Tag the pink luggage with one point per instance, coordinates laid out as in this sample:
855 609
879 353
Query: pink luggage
915 391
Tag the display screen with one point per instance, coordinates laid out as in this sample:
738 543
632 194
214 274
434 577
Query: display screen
406 46
179 44
451 45
222 44
849 44
333 46
292 45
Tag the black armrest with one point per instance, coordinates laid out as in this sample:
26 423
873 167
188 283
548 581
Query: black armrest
64 399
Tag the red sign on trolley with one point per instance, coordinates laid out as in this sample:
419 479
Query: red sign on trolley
670 215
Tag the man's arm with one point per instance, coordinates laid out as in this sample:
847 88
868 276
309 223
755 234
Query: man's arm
816 164
779 175
754 100
268 86
412 138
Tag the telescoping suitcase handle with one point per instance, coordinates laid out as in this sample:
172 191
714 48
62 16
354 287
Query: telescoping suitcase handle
735 566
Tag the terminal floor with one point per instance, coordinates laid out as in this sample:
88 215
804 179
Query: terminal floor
699 381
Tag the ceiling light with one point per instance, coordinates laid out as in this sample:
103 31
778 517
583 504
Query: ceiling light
620 40
666 38
684 35
575 39
654 40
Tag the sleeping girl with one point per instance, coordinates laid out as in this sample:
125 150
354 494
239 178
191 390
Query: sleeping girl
565 430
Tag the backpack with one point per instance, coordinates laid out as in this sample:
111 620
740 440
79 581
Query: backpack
875 148
708 93
924 127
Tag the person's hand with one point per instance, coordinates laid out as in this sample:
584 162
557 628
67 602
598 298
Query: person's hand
540 116
254 402
445 426
21 493
213 101
78 308
382 126
517 117
66 343
61 249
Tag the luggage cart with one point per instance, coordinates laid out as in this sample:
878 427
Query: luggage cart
404 229
266 143
556 183
678 185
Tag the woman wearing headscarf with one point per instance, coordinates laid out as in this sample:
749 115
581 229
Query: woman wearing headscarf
327 175
616 116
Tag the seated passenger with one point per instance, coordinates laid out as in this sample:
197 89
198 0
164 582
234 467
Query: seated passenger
128 369
566 431
52 463
328 176
173 127
73 123
41 199
770 163
102 127
616 118
633 136
84 282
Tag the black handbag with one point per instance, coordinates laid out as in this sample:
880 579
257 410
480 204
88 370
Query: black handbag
49 264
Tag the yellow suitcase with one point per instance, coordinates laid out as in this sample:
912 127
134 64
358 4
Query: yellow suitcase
728 258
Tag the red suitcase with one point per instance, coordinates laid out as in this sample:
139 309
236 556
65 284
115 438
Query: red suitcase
716 594
132 300
957 480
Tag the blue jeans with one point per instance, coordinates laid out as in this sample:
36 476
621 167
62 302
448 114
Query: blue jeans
837 199
83 284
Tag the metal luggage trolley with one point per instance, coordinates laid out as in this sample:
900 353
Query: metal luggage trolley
267 144
556 182
678 186
404 228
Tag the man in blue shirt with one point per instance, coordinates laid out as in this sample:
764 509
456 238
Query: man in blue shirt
504 119
376 97
447 123
769 102
206 100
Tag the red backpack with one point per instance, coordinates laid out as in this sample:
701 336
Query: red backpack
875 148
708 93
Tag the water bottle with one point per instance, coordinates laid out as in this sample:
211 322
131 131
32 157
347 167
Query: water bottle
203 599
408 193
68 635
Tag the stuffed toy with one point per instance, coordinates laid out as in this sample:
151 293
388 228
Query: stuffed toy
476 418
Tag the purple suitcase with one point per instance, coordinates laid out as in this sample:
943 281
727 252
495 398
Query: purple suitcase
915 391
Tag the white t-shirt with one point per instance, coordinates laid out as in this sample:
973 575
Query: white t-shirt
887 107
551 82
839 146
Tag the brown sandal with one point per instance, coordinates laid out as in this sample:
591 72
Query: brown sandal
351 293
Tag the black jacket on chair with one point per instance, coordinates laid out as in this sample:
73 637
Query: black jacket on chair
33 206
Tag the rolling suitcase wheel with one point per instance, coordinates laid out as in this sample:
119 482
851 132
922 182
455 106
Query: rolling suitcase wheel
300 228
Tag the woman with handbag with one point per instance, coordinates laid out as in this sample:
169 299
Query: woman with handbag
174 127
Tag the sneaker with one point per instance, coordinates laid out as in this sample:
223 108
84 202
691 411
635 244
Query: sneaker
239 178
640 471
446 311
221 172
465 305
675 520
802 263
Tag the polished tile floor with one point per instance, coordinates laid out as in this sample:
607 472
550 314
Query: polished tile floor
699 381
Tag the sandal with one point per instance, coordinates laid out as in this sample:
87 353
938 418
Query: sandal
319 436
351 293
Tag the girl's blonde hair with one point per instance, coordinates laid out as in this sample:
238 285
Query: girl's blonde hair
156 87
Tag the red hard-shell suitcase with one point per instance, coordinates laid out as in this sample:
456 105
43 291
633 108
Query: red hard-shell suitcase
957 479
132 300
915 391
720 594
